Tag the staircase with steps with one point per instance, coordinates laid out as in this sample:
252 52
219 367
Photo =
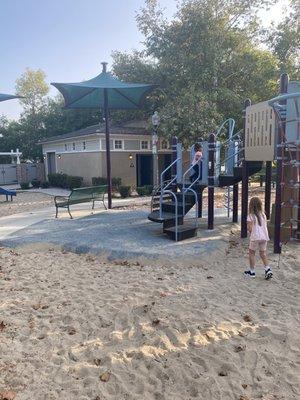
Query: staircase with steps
188 229
173 200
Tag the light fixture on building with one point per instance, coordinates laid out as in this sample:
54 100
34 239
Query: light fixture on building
59 156
130 156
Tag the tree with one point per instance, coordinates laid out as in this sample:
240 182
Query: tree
207 61
33 87
284 40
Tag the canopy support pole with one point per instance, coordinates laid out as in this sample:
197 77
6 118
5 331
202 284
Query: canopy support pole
108 163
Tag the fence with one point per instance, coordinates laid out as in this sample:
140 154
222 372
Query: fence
17 173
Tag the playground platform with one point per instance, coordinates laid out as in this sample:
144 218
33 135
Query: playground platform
115 234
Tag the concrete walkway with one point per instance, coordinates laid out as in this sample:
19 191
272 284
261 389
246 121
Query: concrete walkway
115 234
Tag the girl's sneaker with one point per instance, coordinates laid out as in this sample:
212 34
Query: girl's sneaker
249 273
268 273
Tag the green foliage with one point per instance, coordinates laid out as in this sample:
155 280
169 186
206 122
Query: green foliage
125 191
99 181
24 185
206 60
33 89
144 190
74 182
285 41
65 181
45 185
58 180
36 183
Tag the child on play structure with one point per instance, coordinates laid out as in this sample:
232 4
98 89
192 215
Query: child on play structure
195 163
257 227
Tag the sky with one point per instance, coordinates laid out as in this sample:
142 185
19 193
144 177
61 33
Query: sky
68 39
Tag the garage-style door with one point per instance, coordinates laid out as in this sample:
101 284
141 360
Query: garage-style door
8 174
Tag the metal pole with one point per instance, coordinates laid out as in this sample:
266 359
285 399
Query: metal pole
155 156
174 167
284 80
268 185
235 203
211 180
107 141
200 202
245 179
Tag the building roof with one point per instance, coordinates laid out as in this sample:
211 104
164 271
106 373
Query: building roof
128 128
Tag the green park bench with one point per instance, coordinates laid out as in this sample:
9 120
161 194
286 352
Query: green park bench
81 195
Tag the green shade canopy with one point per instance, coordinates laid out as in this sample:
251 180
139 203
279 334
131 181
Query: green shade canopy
90 94
105 92
4 97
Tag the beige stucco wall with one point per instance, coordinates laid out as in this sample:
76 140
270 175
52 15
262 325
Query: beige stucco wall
86 165
122 167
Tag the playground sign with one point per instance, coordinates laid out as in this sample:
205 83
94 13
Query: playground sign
260 132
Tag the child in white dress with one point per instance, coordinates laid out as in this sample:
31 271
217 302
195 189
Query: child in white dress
259 237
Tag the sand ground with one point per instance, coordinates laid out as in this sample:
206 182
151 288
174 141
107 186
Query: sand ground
24 202
77 327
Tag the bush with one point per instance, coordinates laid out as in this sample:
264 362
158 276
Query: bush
58 180
74 182
144 190
149 189
65 181
141 190
24 185
125 191
116 182
99 181
45 184
36 183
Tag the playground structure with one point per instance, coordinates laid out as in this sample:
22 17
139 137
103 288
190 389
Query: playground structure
271 132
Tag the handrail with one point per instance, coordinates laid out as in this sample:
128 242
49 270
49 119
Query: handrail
156 192
230 139
283 97
176 212
163 189
231 125
192 183
196 203
228 158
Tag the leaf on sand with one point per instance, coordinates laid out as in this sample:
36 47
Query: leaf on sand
7 395
244 385
239 348
97 361
36 306
209 277
105 376
155 322
223 372
244 398
72 331
247 318
2 326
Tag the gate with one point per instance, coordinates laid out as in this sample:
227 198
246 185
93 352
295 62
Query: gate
8 174
31 172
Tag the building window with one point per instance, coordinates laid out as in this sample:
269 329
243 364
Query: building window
118 145
66 147
73 146
84 145
144 145
164 145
